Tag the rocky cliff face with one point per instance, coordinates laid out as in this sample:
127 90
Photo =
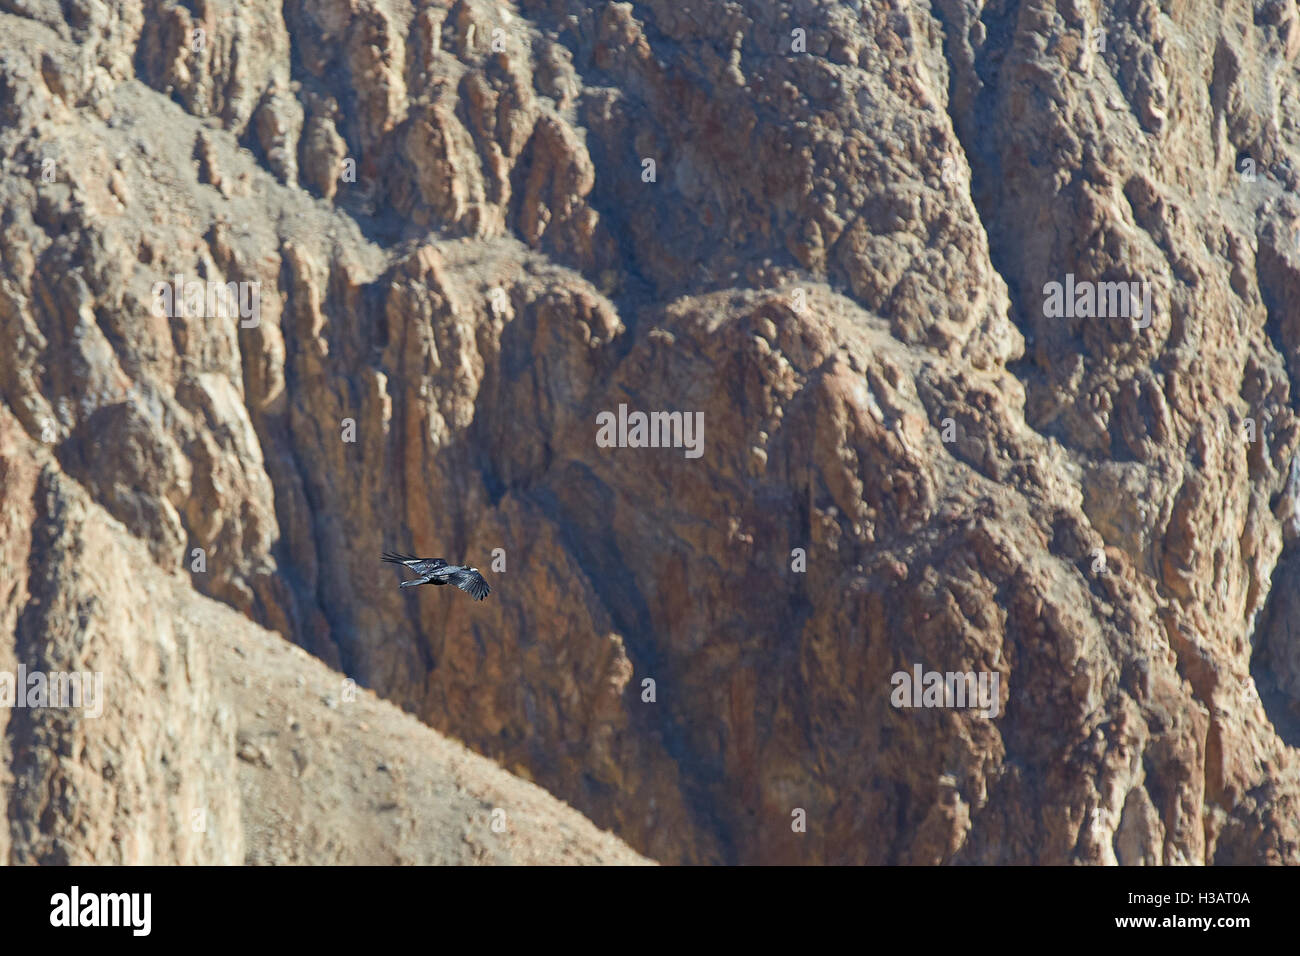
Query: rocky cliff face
209 739
461 233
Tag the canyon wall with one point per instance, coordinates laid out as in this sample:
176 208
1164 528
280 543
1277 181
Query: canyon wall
828 228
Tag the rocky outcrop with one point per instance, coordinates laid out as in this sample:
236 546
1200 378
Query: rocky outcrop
207 739
828 230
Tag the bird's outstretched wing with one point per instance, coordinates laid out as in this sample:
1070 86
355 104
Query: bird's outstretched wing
396 557
471 582
421 566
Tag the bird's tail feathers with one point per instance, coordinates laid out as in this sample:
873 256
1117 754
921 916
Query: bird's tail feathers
394 557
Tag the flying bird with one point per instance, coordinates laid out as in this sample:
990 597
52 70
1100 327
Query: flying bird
439 572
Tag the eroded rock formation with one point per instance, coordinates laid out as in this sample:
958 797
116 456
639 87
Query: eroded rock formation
828 228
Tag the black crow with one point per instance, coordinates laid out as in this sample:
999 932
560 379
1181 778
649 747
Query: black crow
438 571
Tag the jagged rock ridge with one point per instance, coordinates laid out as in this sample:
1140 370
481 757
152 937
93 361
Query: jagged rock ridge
840 258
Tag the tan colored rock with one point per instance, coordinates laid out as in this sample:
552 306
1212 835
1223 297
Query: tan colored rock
212 740
840 264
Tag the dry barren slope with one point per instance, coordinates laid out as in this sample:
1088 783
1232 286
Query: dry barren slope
331 774
218 741
839 261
